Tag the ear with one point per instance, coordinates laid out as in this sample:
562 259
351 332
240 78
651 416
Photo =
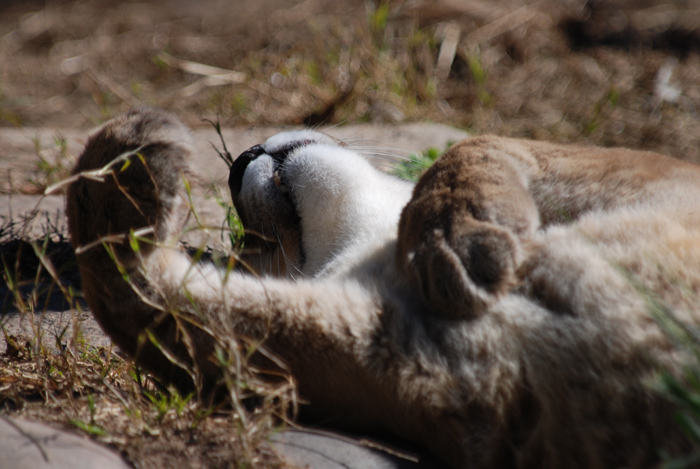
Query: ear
459 277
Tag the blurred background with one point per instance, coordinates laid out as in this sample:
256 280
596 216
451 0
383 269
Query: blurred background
618 72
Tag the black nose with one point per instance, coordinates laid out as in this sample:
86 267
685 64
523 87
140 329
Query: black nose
235 175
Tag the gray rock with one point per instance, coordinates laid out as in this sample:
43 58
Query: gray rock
36 445
329 450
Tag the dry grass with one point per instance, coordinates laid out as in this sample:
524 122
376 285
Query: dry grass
622 72
58 375
103 395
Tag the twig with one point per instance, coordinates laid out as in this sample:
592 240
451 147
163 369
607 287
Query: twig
448 50
502 25
114 87
196 68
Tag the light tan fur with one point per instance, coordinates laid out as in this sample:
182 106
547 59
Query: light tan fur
502 318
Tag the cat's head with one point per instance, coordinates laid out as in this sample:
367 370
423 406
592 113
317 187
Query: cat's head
304 198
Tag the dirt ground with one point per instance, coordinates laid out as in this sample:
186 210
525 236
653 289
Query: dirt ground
618 72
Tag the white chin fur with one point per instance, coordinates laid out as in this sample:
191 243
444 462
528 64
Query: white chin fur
341 199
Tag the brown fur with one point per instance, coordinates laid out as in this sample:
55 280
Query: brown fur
508 325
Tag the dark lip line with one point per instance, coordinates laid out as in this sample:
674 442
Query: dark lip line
238 168
240 164
279 157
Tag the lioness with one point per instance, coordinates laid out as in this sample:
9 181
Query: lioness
498 312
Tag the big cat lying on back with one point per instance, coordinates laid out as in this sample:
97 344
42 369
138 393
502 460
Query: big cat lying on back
499 312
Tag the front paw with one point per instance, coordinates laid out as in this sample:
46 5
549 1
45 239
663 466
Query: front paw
459 275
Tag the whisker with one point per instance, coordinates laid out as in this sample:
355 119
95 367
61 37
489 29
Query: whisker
286 258
386 158
368 151
408 162
372 145
380 151
327 128
391 156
